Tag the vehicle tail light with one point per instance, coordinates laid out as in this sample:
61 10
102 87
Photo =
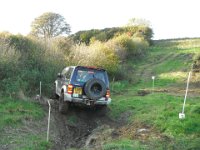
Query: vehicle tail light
108 94
70 89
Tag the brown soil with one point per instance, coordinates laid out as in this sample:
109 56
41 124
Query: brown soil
79 128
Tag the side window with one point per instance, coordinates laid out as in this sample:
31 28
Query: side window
68 73
64 71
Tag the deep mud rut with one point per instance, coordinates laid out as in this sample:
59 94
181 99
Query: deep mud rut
80 128
74 129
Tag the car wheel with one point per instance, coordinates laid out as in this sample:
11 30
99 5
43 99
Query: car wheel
63 105
95 89
53 93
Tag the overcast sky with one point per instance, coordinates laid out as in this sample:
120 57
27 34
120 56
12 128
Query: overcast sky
168 18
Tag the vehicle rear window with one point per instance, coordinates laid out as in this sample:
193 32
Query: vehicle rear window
85 75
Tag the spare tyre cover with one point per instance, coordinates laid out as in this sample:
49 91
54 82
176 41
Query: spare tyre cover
95 89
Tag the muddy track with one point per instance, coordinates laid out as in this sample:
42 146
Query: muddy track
73 129
146 70
80 128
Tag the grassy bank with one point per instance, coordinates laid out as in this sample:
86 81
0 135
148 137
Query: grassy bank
16 116
157 112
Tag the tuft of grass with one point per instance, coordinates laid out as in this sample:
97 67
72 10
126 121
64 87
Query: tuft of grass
123 144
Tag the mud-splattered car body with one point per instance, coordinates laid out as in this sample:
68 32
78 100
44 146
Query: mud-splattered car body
82 85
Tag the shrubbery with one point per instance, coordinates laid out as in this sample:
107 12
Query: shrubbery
111 55
106 34
97 54
196 65
25 61
130 46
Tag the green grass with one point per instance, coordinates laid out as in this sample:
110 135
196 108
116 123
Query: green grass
170 61
128 144
123 144
171 65
161 111
13 112
26 141
118 86
177 143
33 142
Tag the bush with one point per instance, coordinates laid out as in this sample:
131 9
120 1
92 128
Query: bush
125 41
125 72
24 62
97 54
9 62
140 31
196 64
106 34
110 55
130 46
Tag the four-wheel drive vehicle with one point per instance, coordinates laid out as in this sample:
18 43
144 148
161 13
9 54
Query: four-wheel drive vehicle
83 85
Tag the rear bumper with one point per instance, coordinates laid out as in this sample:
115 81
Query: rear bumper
85 100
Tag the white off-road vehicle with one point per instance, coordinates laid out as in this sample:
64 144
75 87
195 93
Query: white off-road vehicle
82 85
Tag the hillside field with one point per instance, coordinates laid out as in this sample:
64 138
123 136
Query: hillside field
157 111
140 116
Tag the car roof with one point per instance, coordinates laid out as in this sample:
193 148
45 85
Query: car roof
89 67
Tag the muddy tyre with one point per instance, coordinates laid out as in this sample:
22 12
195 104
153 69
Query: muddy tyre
53 93
95 89
63 105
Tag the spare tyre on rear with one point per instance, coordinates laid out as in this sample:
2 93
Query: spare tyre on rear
95 89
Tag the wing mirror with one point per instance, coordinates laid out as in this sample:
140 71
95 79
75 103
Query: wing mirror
59 75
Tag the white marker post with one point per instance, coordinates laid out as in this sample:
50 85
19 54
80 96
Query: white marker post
182 114
48 121
40 89
153 78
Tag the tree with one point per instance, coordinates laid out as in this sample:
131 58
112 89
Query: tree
138 22
49 25
140 28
